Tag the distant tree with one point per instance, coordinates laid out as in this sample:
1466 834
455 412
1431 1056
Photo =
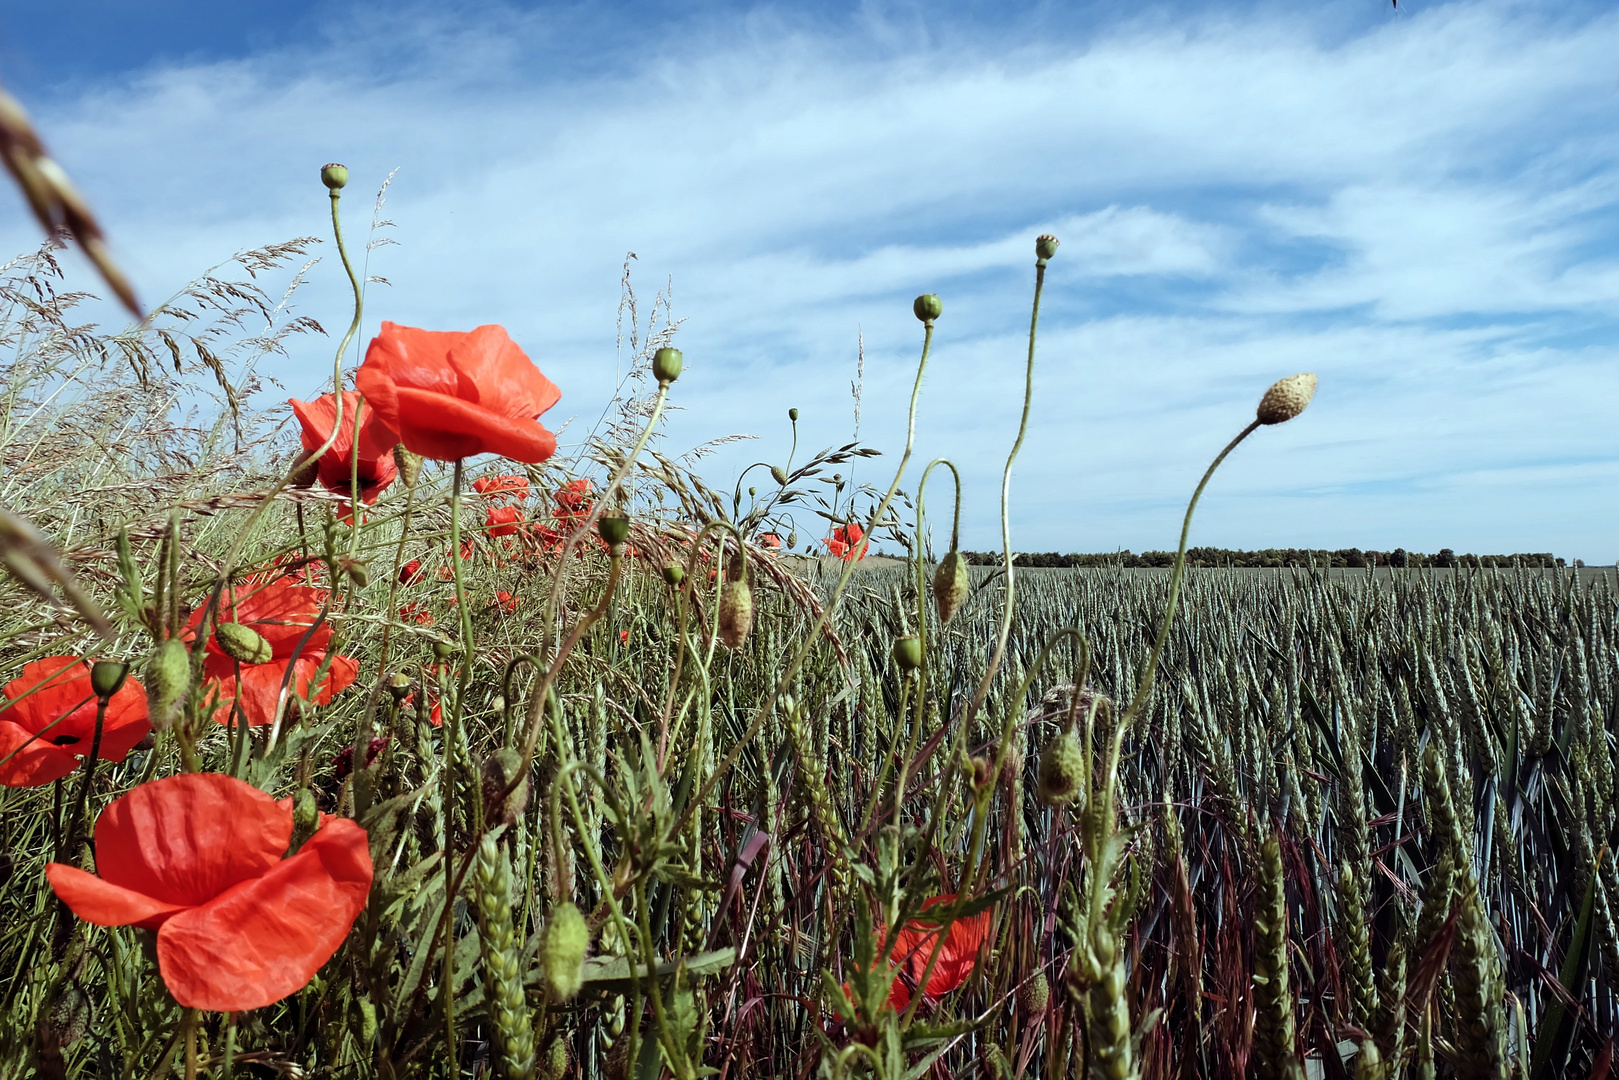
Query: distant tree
1445 558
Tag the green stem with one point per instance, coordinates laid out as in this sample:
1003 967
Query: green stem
452 725
72 830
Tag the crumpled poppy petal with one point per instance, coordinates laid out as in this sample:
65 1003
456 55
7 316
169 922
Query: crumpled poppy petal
266 938
97 901
185 839
444 428
497 374
52 698
280 611
413 357
30 764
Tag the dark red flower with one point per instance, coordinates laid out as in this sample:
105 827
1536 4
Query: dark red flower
281 613
198 858
377 467
411 572
844 542
48 721
343 763
502 520
494 487
453 395
914 944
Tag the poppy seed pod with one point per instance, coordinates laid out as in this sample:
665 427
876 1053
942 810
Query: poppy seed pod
168 677
443 649
562 951
674 574
107 676
243 643
927 307
499 770
908 653
1286 398
736 606
667 364
409 465
950 585
1062 770
334 176
399 685
614 529
792 414
1045 246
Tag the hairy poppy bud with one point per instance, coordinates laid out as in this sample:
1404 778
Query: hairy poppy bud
399 685
1062 770
358 573
792 539
562 951
307 475
736 605
792 414
674 574
667 364
908 653
614 529
1286 398
1045 246
334 176
950 584
243 643
168 677
554 1064
443 649
409 464
305 817
927 307
500 769
1035 995
779 475
106 676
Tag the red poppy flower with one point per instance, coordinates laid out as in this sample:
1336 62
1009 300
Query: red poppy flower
335 466
343 762
573 499
508 603
411 572
914 945
494 487
844 542
280 613
435 715
502 520
453 395
198 858
770 540
416 613
44 733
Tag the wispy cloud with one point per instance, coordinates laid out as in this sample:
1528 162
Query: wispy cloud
1420 208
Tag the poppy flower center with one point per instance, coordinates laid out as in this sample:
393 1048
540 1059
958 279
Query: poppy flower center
64 740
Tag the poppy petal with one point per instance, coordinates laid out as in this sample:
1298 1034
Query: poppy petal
444 428
185 839
30 763
496 373
97 901
264 939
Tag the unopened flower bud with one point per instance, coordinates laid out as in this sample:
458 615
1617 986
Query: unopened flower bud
168 677
410 465
554 1062
1062 770
107 676
500 770
614 529
736 605
562 951
950 584
792 539
983 773
1286 398
752 492
358 574
1035 995
779 475
908 653
1045 246
443 649
334 176
243 643
927 307
307 475
305 817
674 574
667 364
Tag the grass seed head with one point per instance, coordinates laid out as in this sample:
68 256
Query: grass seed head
1286 398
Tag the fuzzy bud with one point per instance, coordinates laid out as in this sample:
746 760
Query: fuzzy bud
950 584
614 529
562 951
243 643
674 574
305 818
927 307
358 573
1286 398
779 475
908 653
792 539
168 677
1045 246
983 772
410 465
1062 770
500 769
334 176
1034 995
107 676
736 606
554 1065
667 365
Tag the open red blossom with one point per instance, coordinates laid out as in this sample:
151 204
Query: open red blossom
335 467
198 858
48 721
453 395
416 613
573 499
281 613
844 542
507 602
495 487
914 945
411 572
770 540
502 520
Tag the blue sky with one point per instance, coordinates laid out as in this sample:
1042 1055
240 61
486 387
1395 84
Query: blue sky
1419 205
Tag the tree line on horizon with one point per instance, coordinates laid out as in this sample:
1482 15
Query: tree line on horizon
1273 557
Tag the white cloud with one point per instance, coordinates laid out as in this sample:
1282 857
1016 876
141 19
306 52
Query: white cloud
1421 209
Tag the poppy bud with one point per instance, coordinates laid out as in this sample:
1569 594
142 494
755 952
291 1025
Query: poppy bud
614 529
399 685
334 176
950 584
792 539
674 574
1045 246
1286 398
410 465
443 649
243 643
555 1063
168 677
792 414
307 475
305 817
928 307
1035 995
908 653
359 574
106 676
562 951
500 769
752 491
779 475
667 364
1062 770
736 606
